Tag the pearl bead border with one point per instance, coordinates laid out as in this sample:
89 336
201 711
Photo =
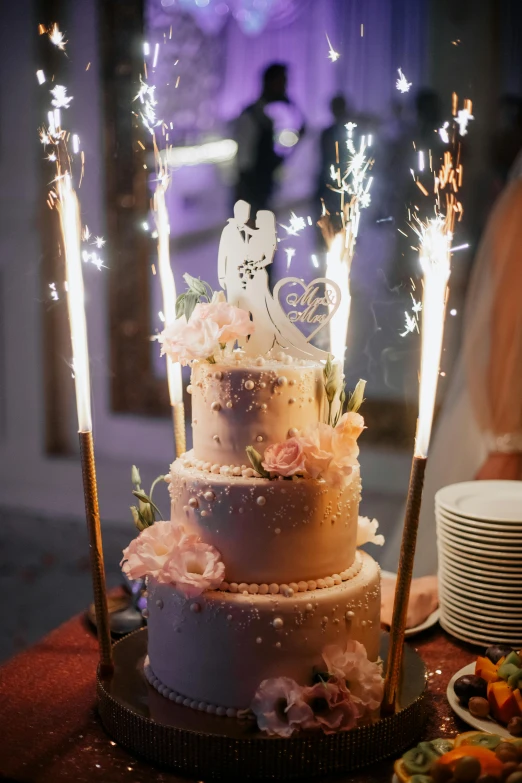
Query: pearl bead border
288 590
202 706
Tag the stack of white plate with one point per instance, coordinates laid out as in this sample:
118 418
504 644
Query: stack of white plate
479 535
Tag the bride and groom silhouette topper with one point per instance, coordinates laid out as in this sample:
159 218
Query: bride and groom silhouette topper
243 257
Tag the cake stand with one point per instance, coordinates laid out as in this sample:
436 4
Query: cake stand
204 746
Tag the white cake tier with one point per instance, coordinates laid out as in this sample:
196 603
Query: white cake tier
217 648
235 406
269 531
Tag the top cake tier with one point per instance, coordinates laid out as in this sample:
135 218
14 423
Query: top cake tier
235 405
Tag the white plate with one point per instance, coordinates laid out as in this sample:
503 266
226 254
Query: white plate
458 560
483 558
501 548
478 613
490 501
513 528
476 622
479 576
509 613
489 538
429 622
493 594
481 639
488 725
485 634
500 602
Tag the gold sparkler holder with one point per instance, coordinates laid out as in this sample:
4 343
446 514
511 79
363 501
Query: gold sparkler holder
204 747
396 652
178 417
92 513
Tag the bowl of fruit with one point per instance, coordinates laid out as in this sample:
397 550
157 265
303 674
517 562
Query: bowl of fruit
487 694
473 757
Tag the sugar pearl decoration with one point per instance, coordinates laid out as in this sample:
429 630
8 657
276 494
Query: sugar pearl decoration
350 615
193 502
282 380
293 432
218 375
229 404
259 438
249 385
216 406
216 438
273 588
189 389
277 531
262 385
302 586
309 608
263 407
204 513
159 603
195 607
260 361
263 589
261 500
277 622
209 495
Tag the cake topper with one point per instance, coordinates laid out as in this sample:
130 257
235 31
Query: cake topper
243 257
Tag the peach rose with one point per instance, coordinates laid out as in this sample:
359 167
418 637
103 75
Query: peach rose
232 322
193 567
280 708
332 706
184 341
317 445
285 459
345 434
147 554
363 677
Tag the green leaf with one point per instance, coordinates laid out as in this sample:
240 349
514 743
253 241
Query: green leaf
357 398
189 304
180 305
195 285
255 460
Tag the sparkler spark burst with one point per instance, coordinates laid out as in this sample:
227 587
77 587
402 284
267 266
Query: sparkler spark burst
463 118
60 98
296 225
56 37
402 84
290 253
332 54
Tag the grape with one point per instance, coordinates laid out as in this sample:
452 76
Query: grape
468 686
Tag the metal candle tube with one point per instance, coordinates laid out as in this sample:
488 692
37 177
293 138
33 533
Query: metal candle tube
178 416
92 514
402 589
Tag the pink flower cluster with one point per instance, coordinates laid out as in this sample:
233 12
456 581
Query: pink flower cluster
321 451
209 327
351 693
166 552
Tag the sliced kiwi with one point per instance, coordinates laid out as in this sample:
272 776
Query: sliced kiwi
421 779
441 745
489 741
419 760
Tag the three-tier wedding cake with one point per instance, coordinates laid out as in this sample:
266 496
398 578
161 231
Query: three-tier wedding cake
259 602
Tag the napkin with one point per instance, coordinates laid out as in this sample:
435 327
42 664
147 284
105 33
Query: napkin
424 599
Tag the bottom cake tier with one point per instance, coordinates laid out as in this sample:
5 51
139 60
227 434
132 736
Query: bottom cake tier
213 651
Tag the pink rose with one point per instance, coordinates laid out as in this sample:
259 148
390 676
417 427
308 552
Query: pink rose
193 567
280 708
317 445
148 553
363 677
345 434
285 459
231 321
332 706
183 342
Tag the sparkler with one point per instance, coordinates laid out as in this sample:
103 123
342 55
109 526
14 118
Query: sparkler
147 97
435 235
354 191
64 197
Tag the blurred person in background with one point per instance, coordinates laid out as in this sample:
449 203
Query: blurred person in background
479 432
333 152
258 157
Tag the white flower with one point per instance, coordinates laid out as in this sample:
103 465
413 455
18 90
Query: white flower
366 532
197 339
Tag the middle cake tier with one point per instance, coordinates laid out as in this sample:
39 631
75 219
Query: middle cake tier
269 532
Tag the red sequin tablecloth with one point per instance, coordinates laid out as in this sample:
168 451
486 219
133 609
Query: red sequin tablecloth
49 731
